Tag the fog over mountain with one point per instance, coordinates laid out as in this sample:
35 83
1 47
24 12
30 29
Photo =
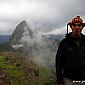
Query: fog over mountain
39 47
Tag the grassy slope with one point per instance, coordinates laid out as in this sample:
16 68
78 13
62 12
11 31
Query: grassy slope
13 70
42 74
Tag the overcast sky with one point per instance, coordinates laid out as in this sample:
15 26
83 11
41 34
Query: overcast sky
46 15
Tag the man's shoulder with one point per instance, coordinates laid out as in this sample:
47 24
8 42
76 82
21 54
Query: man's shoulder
63 41
83 37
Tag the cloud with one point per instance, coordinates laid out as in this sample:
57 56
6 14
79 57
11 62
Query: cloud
46 15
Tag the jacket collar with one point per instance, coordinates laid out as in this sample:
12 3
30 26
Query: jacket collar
70 37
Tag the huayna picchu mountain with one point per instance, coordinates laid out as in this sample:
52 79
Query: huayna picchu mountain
18 32
35 45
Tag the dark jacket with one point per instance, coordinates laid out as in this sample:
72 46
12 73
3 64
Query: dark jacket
70 58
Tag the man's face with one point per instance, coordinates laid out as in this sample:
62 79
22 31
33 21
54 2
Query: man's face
76 29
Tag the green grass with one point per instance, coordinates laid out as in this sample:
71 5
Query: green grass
43 75
5 65
15 82
16 73
13 70
2 59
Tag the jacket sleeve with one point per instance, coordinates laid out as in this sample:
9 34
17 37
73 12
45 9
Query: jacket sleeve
59 63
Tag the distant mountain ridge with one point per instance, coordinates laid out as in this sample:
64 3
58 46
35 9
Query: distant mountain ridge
57 37
4 38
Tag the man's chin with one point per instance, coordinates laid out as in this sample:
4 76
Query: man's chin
76 35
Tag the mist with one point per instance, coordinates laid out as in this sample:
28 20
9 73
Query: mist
39 47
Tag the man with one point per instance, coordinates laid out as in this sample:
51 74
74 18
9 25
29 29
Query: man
70 57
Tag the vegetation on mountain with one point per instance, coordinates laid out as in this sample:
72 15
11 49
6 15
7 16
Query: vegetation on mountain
22 71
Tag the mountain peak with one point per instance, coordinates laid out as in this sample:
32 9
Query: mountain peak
19 31
23 23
